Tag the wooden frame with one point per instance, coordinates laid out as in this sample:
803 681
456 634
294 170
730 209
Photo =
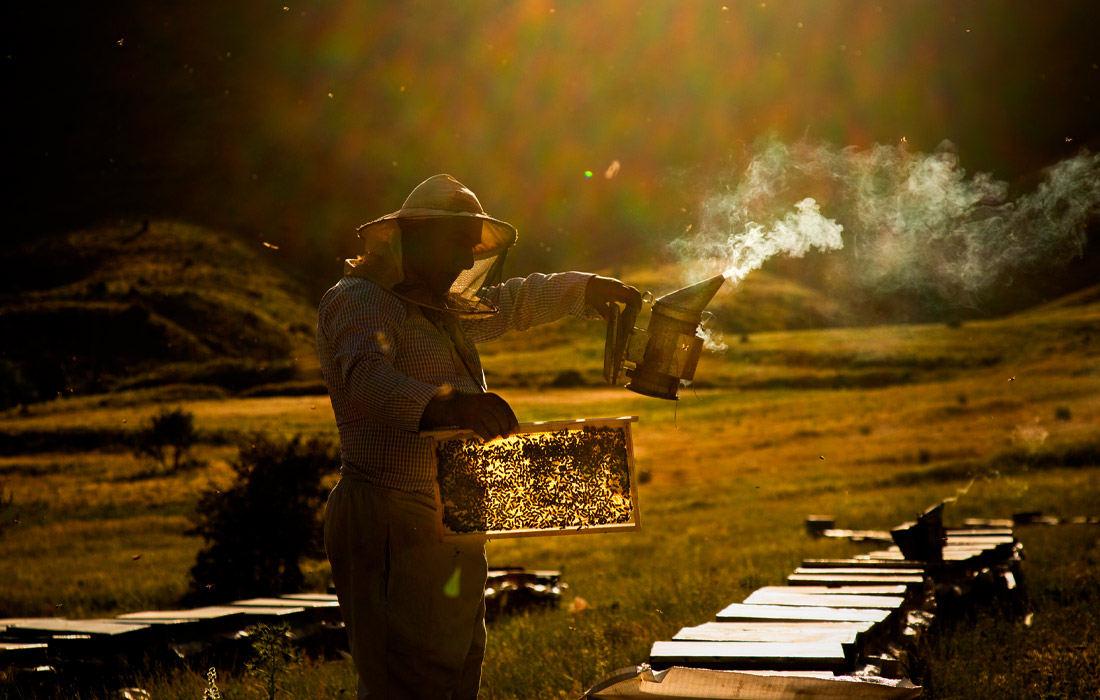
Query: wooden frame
439 438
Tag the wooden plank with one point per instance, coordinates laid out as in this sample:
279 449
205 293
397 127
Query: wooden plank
545 573
861 625
983 542
327 597
860 535
6 622
212 617
785 656
844 632
828 675
520 571
211 612
95 627
737 612
994 523
788 597
177 629
86 638
223 617
315 610
274 613
863 564
980 532
852 580
538 426
286 602
867 573
950 554
154 619
23 655
889 590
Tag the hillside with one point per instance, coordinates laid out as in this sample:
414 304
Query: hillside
158 304
768 356
146 304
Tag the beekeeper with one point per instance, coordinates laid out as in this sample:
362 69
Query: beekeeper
396 337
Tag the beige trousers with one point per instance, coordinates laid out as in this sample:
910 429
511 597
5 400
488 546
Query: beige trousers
414 607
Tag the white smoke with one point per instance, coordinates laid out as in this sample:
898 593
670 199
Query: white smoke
913 221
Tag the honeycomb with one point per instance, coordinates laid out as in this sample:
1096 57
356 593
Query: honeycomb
567 479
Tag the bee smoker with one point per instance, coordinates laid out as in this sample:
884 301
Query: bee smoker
658 358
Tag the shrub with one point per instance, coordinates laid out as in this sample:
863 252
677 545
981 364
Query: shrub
273 656
567 379
258 530
170 433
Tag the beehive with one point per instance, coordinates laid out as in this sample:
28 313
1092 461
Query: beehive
550 478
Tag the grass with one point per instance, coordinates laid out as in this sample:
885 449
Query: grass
1054 638
1005 412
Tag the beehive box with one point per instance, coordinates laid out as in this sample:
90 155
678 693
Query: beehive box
550 478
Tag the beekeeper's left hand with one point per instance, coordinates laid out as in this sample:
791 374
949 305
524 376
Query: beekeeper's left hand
601 292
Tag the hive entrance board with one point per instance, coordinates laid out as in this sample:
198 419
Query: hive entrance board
550 478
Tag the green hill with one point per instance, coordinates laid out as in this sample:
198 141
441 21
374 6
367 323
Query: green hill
156 303
147 304
153 305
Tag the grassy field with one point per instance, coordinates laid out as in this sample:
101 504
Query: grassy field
869 425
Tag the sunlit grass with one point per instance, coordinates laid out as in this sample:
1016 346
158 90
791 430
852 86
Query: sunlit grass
1007 411
1052 644
96 567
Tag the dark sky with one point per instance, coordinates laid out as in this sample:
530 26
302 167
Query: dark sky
294 122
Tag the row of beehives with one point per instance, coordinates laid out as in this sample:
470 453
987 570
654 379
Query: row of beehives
217 634
849 621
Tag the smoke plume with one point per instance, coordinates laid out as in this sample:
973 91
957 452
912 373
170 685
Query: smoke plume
911 221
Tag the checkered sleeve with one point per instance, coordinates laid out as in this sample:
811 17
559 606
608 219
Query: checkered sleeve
361 332
532 301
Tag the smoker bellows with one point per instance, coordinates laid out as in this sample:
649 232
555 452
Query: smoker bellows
658 358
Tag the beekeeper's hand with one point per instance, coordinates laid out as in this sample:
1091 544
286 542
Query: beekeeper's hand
601 292
488 415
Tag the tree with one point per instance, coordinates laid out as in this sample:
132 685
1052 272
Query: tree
169 433
258 531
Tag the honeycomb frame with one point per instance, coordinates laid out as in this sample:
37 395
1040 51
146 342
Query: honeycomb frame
549 478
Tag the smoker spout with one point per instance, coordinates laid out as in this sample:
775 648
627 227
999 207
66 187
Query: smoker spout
691 299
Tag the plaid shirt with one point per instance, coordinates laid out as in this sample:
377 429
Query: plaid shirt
384 360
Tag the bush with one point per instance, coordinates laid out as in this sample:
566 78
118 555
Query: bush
567 379
273 657
170 432
258 531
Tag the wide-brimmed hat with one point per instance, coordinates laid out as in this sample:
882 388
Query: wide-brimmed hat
438 197
442 196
